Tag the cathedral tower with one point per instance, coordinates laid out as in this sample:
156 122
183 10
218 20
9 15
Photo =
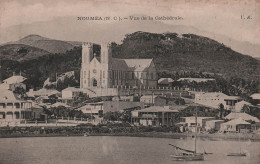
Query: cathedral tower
87 53
87 56
106 63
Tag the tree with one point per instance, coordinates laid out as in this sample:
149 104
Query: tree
20 91
221 108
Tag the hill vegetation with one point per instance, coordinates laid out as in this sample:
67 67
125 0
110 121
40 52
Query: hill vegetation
187 53
19 52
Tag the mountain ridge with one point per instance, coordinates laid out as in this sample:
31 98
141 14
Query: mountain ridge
115 31
50 45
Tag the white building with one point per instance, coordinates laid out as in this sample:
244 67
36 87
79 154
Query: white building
235 125
214 99
198 80
108 72
239 106
243 116
13 82
148 99
13 110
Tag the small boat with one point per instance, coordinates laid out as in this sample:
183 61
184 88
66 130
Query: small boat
237 154
188 155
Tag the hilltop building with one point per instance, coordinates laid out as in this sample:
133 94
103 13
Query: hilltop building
108 72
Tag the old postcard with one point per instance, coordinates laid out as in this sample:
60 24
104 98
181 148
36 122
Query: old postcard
146 82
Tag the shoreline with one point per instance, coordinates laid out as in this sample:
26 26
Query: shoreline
212 137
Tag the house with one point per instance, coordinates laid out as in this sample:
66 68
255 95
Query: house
110 106
153 116
168 101
12 109
57 104
62 76
243 116
92 108
235 125
213 124
13 82
190 122
230 102
239 106
214 99
256 98
70 93
198 80
148 99
38 112
123 98
165 82
43 92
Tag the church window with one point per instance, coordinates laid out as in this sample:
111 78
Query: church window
85 81
104 74
84 74
94 83
133 75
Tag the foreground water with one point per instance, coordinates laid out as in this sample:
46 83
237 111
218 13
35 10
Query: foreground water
119 150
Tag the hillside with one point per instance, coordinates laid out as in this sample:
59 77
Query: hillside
50 45
172 54
188 52
20 52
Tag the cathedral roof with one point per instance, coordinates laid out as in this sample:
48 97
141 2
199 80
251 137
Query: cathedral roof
131 64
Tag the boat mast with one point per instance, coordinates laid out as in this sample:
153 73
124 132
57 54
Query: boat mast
195 129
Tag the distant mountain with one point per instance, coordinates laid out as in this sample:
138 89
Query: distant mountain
50 45
69 28
19 52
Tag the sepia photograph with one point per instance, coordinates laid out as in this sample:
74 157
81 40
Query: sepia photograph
129 82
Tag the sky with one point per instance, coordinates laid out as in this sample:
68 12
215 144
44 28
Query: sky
220 17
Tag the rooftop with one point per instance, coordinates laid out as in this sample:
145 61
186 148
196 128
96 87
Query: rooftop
14 79
165 80
157 109
255 96
237 122
196 79
243 116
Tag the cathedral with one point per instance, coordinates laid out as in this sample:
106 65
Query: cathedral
108 72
